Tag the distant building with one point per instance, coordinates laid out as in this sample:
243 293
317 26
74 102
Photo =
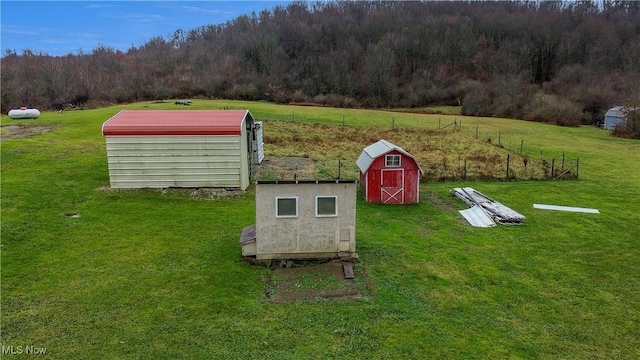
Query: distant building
616 115
389 174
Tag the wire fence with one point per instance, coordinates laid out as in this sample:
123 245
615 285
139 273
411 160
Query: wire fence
513 161
511 168
524 163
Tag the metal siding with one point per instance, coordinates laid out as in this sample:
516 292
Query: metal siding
616 115
161 163
498 212
259 142
477 217
128 147
566 208
611 121
195 183
245 154
174 161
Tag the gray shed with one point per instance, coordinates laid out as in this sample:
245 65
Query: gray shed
303 219
182 148
616 115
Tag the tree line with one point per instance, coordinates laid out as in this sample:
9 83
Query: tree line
559 62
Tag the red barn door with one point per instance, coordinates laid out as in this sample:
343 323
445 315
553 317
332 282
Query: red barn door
392 186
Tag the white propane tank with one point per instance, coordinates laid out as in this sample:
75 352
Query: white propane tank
24 113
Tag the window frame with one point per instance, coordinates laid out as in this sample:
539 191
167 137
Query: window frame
278 208
335 205
390 157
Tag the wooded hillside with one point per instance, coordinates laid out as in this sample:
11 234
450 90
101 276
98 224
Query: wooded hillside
543 61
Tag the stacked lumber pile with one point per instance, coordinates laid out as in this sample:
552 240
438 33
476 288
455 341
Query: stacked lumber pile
484 211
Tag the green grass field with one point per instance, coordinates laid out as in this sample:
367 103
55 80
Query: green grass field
149 274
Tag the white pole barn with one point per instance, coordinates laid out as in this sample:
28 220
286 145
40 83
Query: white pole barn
182 148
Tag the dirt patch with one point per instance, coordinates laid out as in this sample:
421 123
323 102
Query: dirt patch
23 131
315 282
286 168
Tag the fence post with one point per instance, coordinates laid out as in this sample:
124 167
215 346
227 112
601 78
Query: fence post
464 176
553 165
521 143
393 123
339 168
508 155
499 141
342 120
476 131
563 161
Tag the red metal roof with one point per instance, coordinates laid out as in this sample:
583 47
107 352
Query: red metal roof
175 122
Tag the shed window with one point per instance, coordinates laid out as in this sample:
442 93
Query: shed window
326 206
286 207
392 160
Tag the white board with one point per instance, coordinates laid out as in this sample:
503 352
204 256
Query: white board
566 208
259 143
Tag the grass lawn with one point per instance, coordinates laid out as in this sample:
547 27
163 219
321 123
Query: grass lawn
92 273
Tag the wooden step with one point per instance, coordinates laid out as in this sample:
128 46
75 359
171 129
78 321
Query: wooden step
348 270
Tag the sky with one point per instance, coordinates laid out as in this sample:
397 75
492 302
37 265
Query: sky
59 28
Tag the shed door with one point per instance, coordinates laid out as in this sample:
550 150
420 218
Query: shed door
258 144
392 186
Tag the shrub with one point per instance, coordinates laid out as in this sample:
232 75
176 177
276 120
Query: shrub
298 96
554 110
511 94
243 92
335 100
278 96
407 97
479 100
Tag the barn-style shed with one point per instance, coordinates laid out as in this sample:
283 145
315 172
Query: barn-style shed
302 219
389 174
182 148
